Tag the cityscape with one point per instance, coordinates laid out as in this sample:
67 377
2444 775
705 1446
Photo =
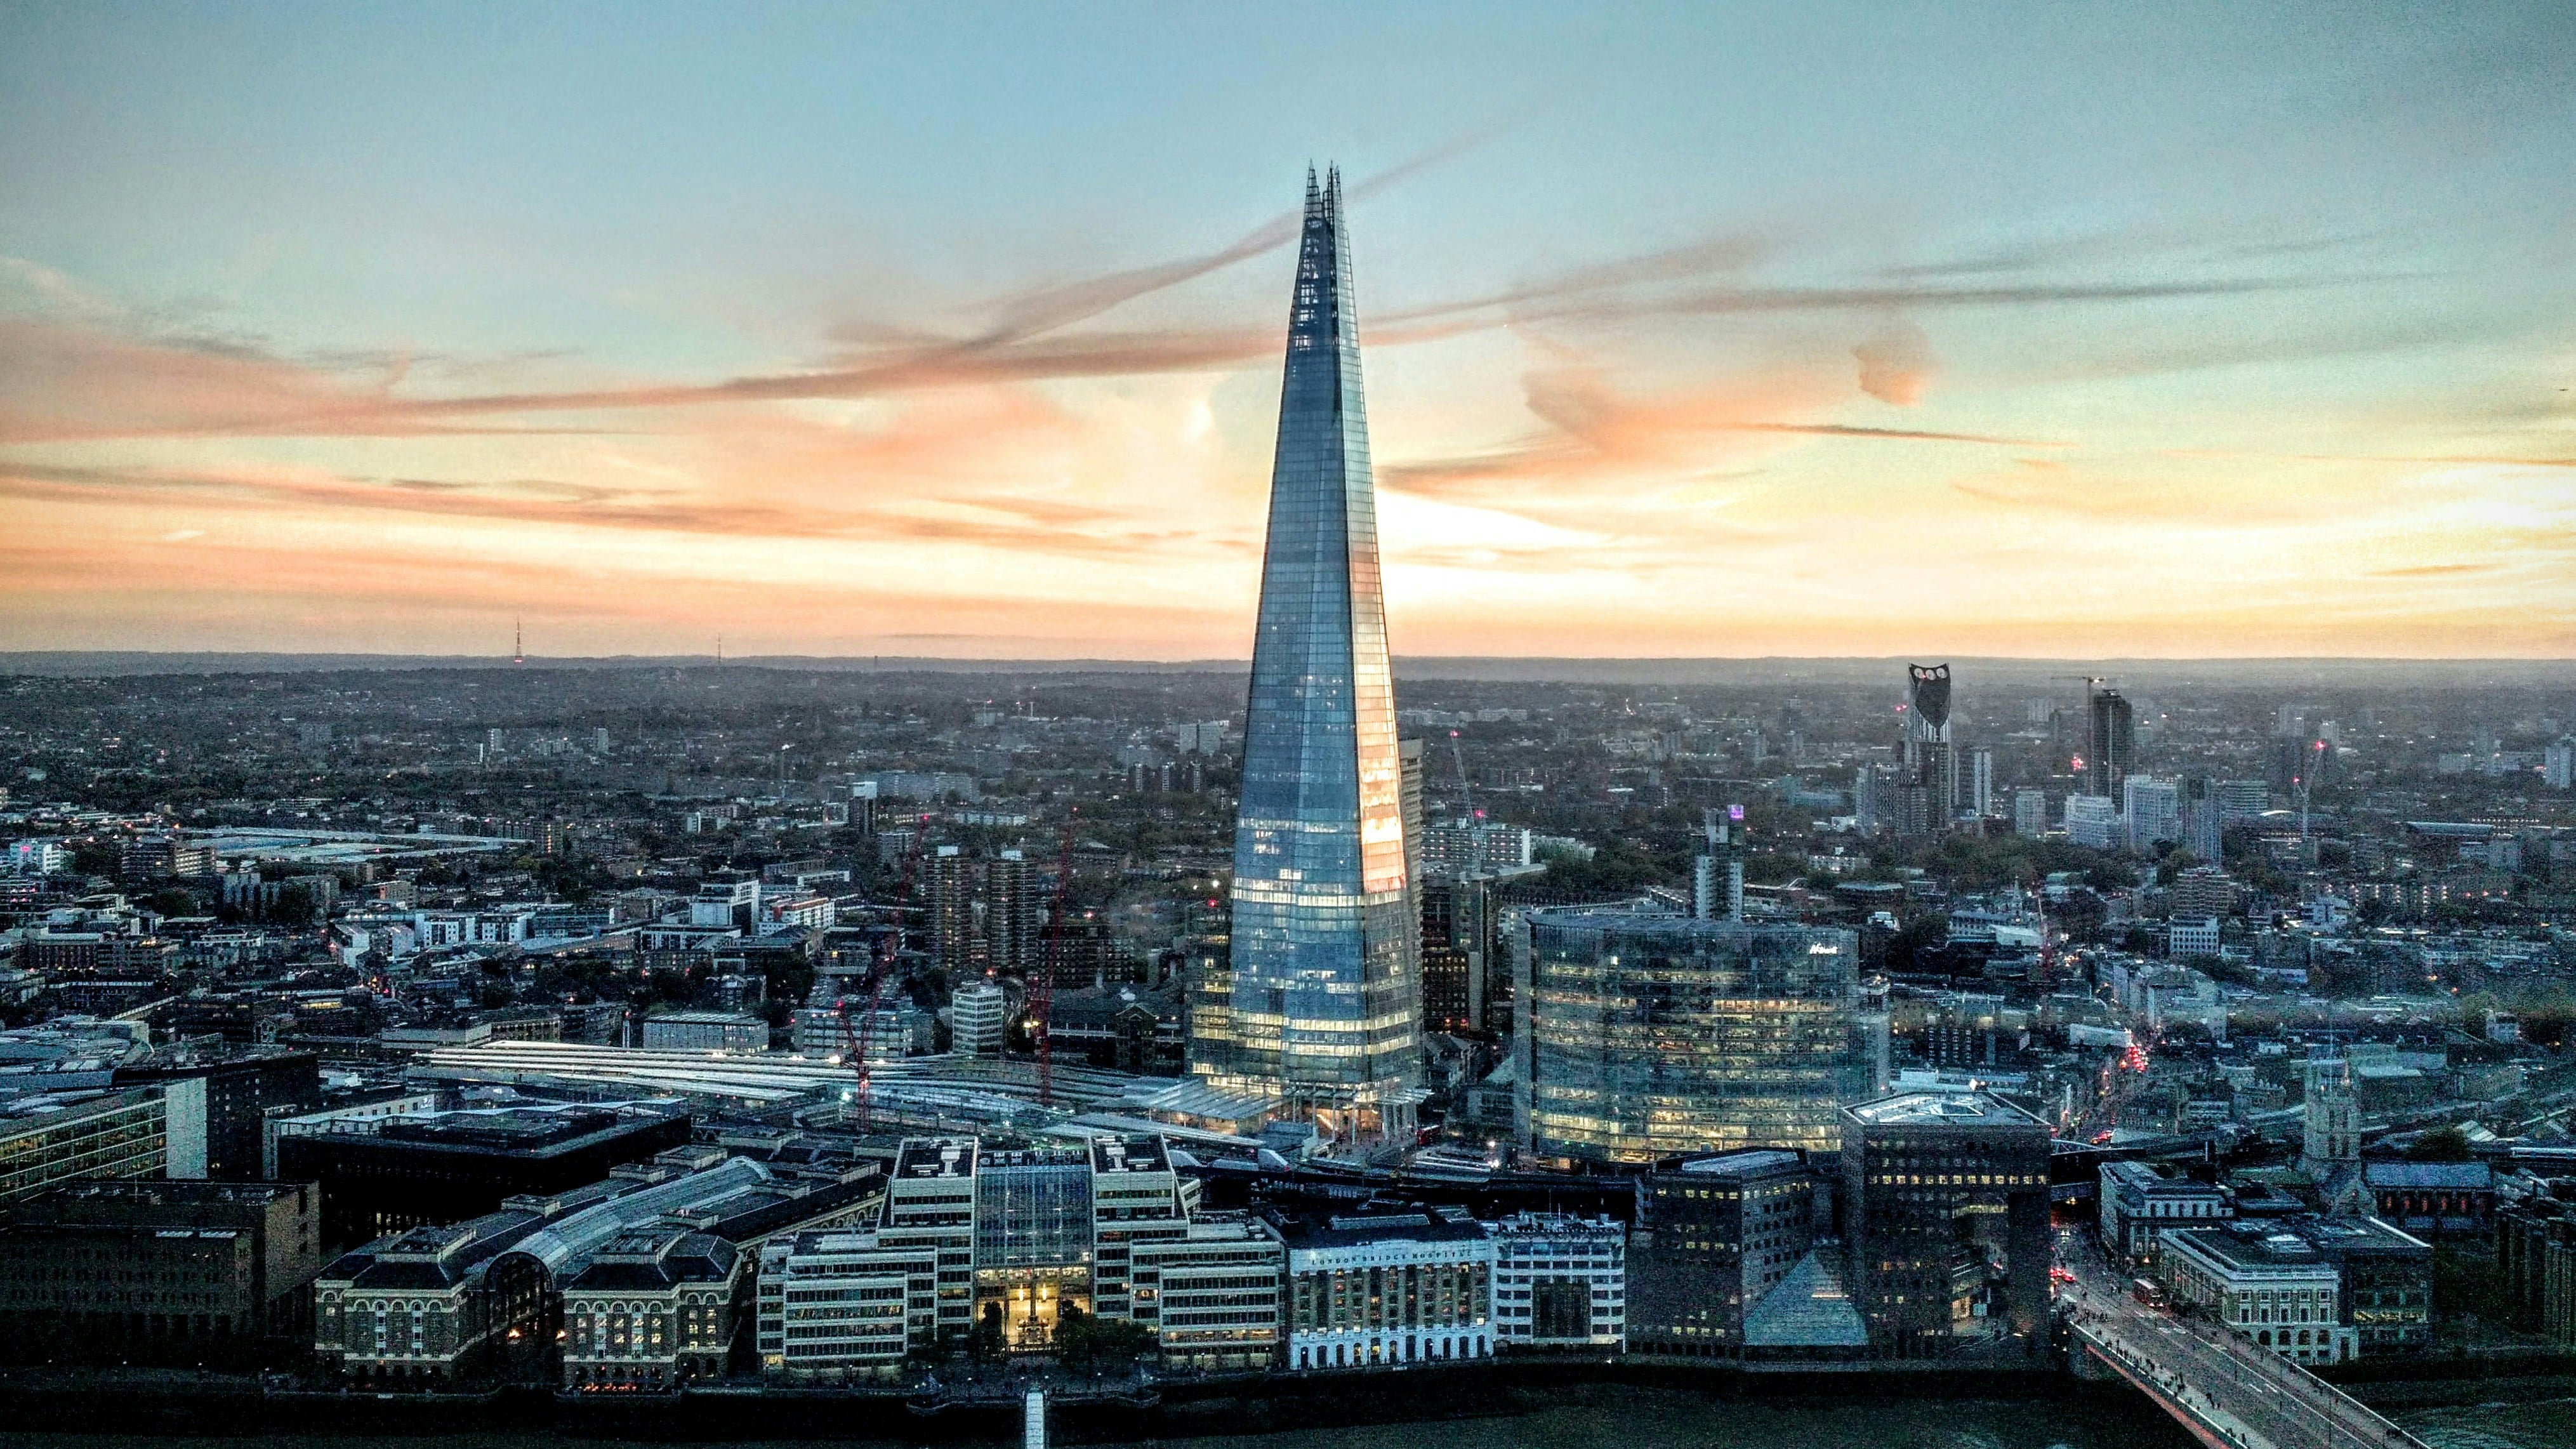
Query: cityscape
1071 1033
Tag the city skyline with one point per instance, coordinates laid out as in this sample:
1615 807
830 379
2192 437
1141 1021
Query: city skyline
2194 334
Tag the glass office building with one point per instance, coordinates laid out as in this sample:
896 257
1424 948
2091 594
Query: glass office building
1655 1035
1321 1001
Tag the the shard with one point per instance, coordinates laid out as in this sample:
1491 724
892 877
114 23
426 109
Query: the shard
1320 1006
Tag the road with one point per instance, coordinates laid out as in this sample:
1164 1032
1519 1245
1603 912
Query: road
2246 1394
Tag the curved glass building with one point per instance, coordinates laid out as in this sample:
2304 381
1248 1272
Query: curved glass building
1322 1005
1652 1035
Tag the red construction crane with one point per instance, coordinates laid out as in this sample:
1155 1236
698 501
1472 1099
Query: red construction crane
1042 980
857 1036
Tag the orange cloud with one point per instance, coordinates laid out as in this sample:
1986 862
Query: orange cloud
1896 365
1598 438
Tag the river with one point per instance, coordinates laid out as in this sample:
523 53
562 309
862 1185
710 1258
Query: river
1638 1419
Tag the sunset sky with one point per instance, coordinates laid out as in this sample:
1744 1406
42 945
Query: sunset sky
2064 330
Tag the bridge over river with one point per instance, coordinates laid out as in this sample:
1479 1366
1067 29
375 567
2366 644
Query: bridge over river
2228 1391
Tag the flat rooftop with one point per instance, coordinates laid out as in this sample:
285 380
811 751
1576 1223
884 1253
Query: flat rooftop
1972 1110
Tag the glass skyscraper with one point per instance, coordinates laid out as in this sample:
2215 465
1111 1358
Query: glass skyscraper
1322 1005
1651 1036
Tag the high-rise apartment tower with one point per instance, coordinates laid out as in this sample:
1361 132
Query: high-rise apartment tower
2113 746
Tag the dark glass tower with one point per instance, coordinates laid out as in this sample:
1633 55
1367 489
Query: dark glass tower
2114 742
1323 1005
1931 788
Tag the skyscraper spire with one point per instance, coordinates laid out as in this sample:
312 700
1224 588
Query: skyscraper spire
1323 1004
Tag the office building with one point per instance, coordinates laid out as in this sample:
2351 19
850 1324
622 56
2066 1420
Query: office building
1713 1237
1464 980
2187 937
1560 1282
241 1088
1380 1286
979 1018
1005 1239
380 1175
1323 1006
1981 781
1213 1293
847 1305
1642 1036
2139 1200
152 1271
2384 1281
2112 746
1945 1208
49 1139
2263 1282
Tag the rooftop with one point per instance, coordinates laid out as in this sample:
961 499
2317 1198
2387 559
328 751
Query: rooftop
1944 1109
934 1157
1743 1164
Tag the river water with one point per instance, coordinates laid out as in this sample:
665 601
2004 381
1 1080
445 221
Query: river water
1640 1419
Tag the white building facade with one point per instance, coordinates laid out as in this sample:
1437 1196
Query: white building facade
1560 1282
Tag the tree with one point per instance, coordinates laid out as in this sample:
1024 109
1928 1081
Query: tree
2442 1144
984 1343
1917 944
1085 1344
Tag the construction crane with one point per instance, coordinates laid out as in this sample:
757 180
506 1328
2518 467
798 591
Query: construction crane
858 1036
1466 792
1042 981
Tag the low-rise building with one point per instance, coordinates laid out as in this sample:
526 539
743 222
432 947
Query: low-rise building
1375 1287
656 1307
381 1174
2433 1198
2536 1255
2264 1282
1560 1282
155 1271
2138 1201
714 1031
2387 1282
2187 937
640 1277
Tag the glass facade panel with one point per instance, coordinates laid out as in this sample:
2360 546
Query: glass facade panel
1656 1035
1323 1006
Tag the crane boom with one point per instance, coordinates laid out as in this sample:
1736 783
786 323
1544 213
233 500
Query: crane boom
1042 982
